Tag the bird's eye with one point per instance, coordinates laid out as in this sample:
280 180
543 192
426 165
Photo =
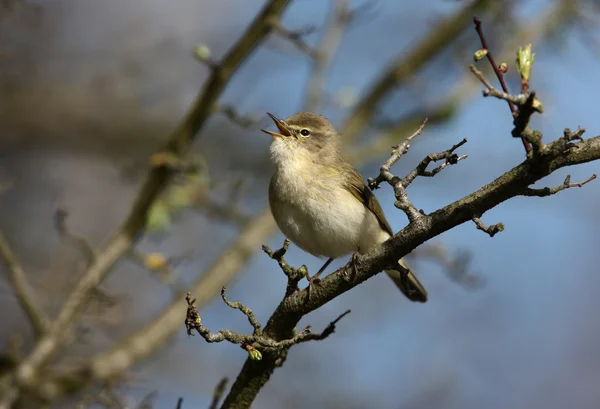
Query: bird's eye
305 132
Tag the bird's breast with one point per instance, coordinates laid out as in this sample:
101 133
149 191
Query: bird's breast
315 211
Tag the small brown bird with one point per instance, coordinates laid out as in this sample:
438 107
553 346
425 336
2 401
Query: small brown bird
320 201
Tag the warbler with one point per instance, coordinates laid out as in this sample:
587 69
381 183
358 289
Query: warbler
321 202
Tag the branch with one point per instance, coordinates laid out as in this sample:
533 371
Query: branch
23 293
286 316
257 339
407 64
245 310
218 393
244 121
528 105
402 201
325 54
178 144
495 67
449 157
548 191
60 222
498 72
295 37
293 274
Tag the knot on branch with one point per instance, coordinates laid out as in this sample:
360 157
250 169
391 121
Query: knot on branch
492 230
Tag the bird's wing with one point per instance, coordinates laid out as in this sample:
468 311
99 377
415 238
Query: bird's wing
357 186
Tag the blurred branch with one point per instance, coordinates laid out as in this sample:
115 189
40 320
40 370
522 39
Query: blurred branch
218 393
60 222
244 121
23 293
408 64
455 266
325 54
295 37
146 340
178 144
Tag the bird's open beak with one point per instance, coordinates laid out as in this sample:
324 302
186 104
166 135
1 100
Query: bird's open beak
280 125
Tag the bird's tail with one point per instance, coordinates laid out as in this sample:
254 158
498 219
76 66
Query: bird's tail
408 282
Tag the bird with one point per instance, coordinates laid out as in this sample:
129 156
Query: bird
321 203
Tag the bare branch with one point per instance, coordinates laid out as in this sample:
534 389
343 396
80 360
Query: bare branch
402 201
256 340
245 310
295 37
25 296
325 54
495 67
449 156
491 230
499 74
385 174
548 191
293 274
407 64
244 121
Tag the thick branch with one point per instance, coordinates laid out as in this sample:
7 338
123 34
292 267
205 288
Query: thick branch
18 281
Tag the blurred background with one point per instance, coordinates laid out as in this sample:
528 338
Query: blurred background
90 89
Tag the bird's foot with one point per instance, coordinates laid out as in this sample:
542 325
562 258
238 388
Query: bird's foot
351 275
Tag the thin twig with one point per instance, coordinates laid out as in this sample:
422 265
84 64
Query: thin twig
490 58
402 201
25 296
79 242
492 230
194 323
498 73
295 37
245 310
293 274
547 191
449 157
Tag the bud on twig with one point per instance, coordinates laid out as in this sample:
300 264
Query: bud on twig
480 54
524 62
